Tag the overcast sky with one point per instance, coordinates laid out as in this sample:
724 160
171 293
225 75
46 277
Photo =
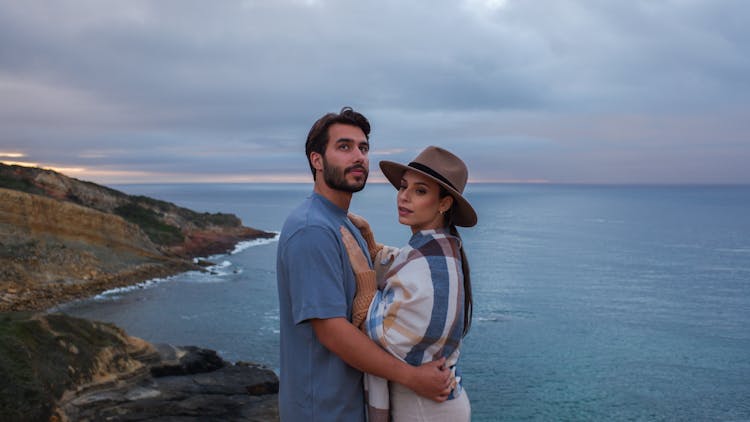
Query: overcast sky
637 91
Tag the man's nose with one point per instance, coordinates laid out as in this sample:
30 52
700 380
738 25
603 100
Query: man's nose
360 156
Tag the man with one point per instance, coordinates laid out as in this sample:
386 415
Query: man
323 355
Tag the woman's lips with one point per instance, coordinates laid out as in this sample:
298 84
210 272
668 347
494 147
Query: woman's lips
403 211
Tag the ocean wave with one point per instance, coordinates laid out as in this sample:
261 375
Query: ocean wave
221 269
223 264
603 221
502 315
115 293
734 250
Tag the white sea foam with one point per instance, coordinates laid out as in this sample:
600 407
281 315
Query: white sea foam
255 242
115 293
225 267
223 264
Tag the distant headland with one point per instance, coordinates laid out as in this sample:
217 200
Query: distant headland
63 239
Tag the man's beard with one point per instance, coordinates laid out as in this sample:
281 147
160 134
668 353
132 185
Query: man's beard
335 177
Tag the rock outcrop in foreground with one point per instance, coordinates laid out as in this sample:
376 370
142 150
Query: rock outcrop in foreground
63 239
58 368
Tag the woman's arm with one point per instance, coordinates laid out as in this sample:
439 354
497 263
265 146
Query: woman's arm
365 277
430 380
367 234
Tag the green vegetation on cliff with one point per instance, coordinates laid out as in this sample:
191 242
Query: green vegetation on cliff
201 220
23 185
165 223
150 222
42 356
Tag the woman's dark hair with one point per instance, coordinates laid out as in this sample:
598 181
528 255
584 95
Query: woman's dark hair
468 301
317 139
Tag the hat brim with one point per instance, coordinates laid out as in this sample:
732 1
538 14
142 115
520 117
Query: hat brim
463 215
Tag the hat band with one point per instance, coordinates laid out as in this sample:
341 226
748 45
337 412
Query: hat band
431 172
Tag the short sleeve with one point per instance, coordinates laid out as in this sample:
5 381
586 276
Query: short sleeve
314 264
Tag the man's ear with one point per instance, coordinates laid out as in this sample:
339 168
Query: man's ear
317 160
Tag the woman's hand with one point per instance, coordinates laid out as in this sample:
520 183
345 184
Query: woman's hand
382 263
364 229
359 222
356 256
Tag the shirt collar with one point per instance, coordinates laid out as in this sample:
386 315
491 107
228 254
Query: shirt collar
330 205
423 236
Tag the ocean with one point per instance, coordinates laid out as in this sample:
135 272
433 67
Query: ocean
592 303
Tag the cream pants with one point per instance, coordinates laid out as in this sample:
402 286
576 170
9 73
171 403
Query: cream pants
406 405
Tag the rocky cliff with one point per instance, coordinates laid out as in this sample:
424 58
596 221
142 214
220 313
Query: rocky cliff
62 238
59 368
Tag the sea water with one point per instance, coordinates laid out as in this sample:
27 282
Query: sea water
592 303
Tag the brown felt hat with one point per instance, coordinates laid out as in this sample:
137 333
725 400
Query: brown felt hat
444 168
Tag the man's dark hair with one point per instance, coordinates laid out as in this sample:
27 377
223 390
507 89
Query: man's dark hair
317 139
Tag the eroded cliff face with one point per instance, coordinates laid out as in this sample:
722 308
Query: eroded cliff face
61 238
27 215
52 251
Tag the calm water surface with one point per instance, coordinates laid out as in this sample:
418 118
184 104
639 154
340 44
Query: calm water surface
591 303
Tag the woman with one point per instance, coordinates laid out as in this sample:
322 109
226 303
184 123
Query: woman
417 304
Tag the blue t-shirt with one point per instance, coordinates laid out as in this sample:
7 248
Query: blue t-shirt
315 280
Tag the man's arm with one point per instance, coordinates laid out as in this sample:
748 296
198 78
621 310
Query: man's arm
357 350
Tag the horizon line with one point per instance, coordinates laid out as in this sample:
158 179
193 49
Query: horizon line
110 177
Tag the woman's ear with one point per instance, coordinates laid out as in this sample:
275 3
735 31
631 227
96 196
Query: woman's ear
445 204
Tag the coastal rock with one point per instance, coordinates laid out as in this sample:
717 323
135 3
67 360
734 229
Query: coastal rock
59 368
231 393
185 360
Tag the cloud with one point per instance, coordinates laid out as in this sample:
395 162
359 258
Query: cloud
187 87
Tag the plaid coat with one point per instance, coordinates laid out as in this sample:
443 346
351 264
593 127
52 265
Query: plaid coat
418 311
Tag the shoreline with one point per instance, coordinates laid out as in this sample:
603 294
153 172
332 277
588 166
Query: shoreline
45 297
202 264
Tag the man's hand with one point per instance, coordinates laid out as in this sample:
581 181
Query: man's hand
431 380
